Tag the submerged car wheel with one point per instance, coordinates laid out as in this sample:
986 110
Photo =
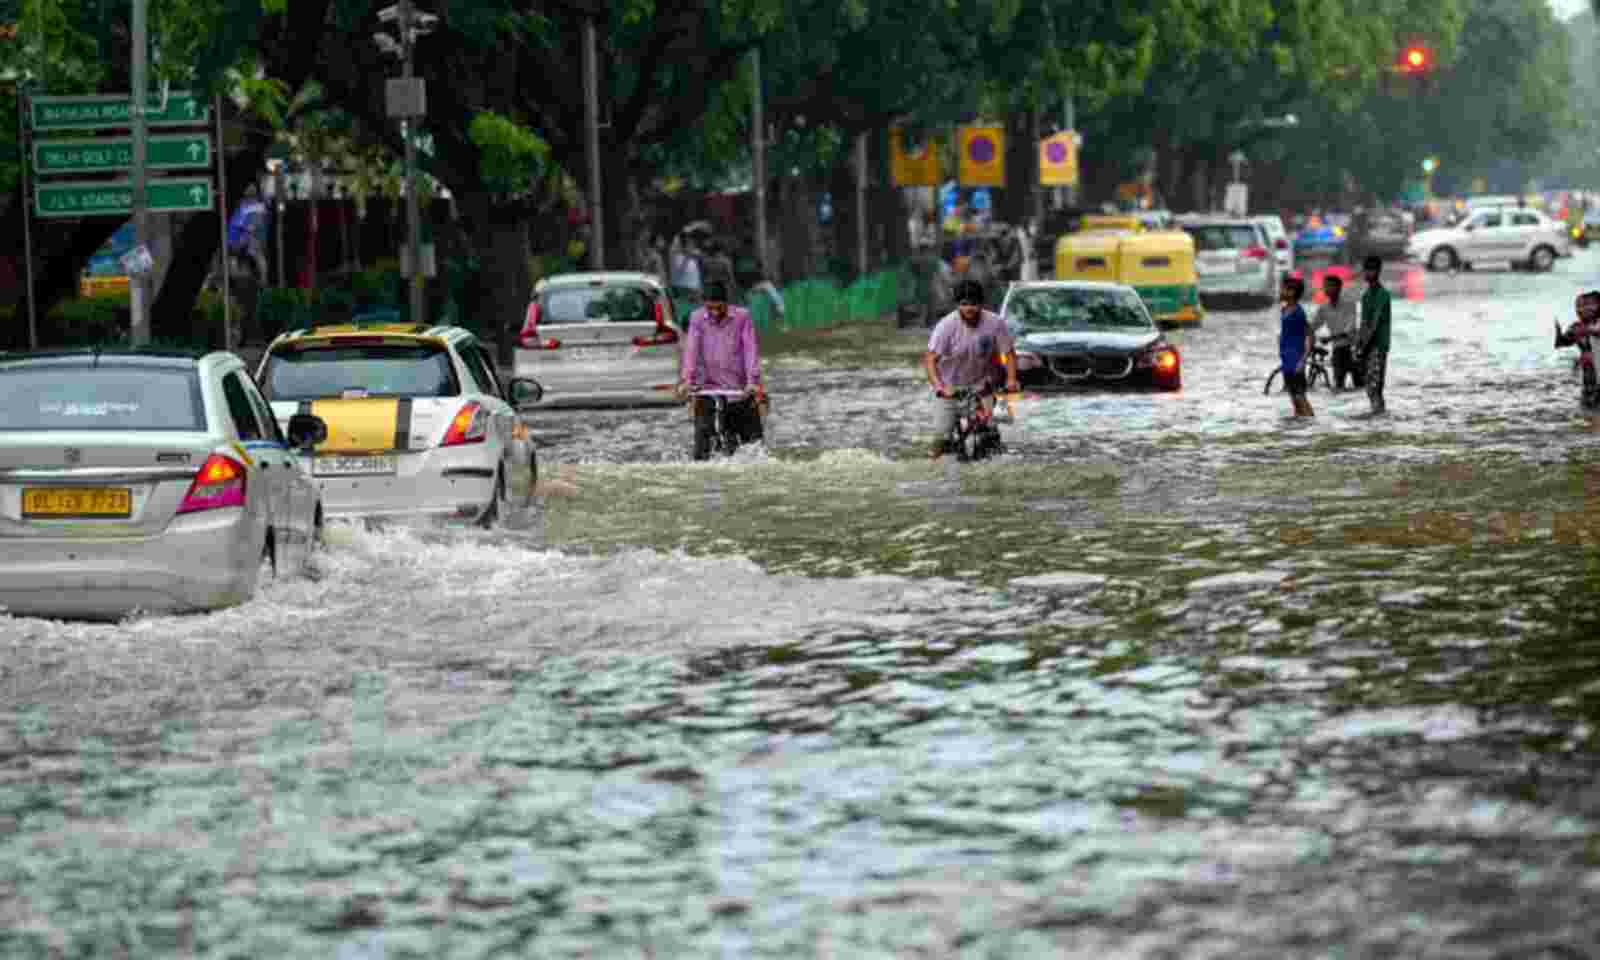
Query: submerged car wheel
1543 259
1442 259
497 504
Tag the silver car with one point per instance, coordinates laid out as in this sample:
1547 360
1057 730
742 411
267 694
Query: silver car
145 481
600 339
1233 257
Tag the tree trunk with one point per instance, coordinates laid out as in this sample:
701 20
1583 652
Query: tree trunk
889 215
842 189
500 237
799 222
1021 158
621 227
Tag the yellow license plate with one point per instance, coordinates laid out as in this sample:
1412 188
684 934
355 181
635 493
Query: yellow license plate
77 502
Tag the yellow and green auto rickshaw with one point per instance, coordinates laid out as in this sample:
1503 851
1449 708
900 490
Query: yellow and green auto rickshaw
1157 263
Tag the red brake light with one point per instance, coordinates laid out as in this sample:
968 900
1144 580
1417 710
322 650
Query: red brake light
1255 253
663 335
529 338
468 426
1282 244
1166 361
220 483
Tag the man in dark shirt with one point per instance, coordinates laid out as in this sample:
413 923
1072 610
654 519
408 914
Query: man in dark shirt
1372 338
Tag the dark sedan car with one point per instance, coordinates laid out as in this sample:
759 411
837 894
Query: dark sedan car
1082 333
1384 233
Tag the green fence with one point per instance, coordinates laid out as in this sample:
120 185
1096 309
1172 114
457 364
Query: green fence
818 303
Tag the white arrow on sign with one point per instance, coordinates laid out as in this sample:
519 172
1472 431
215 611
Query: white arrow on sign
197 194
195 151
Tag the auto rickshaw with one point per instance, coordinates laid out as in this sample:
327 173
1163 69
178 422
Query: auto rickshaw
1109 221
1158 263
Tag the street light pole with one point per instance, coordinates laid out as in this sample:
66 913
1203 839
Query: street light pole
413 213
138 313
758 153
591 145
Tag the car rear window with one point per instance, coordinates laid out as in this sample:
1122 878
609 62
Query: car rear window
1218 236
1072 308
596 305
100 397
379 370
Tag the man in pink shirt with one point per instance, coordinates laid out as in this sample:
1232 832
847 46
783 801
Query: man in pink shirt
962 354
721 353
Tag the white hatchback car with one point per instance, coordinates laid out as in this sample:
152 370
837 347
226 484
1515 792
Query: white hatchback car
1516 235
417 420
601 339
1233 257
141 480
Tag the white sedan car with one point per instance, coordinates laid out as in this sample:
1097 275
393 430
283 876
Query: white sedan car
601 339
417 420
1518 236
138 480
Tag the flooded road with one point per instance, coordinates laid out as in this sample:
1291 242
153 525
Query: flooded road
1178 676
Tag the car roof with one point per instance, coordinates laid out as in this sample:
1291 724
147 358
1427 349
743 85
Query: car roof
598 278
399 332
153 357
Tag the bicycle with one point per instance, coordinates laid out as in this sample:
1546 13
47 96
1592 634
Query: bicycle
720 439
1316 368
973 436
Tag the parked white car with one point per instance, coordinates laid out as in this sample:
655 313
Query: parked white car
1515 235
418 423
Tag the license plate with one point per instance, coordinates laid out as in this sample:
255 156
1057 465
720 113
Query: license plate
77 502
352 466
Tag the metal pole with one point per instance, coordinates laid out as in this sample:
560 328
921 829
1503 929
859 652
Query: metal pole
758 151
222 208
27 216
861 203
591 145
413 214
279 209
1072 127
137 101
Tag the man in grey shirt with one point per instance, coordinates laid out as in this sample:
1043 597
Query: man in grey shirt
1337 318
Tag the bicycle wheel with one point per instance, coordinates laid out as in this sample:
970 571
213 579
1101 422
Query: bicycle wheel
1319 373
1267 390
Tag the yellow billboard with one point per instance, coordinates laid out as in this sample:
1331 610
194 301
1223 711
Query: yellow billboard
1058 160
913 166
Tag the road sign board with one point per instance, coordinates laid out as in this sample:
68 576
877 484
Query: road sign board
100 198
183 109
171 152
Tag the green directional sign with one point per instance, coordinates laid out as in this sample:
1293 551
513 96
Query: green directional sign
183 109
172 152
100 198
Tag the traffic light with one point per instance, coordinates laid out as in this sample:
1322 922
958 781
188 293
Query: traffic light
1415 59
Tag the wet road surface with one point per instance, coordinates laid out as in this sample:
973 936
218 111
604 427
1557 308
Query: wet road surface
1178 676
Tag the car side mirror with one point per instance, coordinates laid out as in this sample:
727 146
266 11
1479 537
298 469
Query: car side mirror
306 431
523 391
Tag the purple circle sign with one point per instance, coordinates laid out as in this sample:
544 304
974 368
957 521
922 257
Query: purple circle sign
1056 152
981 149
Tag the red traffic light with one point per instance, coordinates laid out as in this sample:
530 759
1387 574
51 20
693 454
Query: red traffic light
1414 59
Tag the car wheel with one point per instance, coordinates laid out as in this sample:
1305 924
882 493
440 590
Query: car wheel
1543 259
1442 259
497 504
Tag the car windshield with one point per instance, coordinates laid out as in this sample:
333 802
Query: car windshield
1221 236
99 397
1077 309
382 370
596 305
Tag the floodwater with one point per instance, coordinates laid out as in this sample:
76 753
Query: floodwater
1176 677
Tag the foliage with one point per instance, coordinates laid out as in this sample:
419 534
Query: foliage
511 158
